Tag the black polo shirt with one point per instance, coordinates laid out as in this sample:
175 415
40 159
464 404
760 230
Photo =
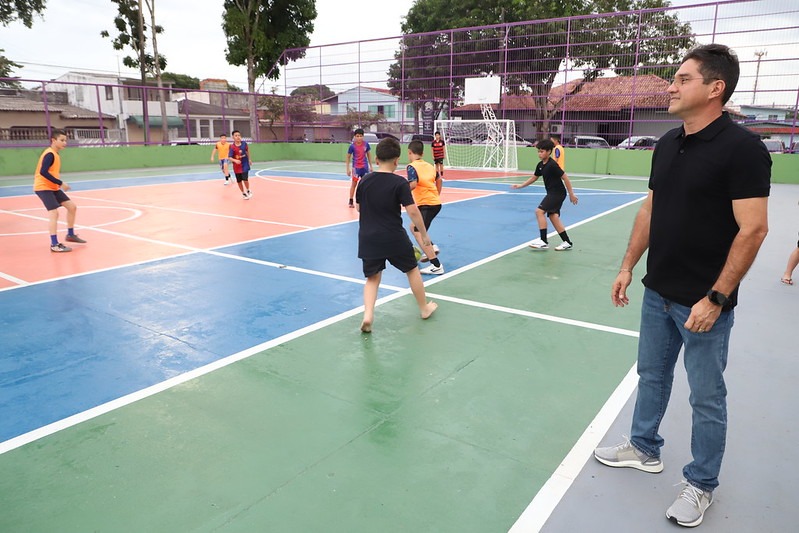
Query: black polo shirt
694 180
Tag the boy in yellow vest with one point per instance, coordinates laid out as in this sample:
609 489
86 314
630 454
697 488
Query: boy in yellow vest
52 191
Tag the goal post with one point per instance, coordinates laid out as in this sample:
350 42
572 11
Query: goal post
479 144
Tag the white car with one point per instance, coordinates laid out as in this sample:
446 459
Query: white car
638 142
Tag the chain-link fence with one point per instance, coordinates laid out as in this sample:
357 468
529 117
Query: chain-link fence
592 79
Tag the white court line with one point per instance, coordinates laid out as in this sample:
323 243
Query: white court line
189 211
136 214
547 499
540 316
12 279
31 436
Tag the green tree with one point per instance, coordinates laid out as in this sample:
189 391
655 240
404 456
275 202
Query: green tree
263 34
181 81
132 35
432 66
317 92
6 65
23 10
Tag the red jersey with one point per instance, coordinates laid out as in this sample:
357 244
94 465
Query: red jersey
438 149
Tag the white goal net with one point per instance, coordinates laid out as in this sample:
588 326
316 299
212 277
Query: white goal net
479 144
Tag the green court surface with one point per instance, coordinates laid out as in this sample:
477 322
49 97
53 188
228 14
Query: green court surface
450 424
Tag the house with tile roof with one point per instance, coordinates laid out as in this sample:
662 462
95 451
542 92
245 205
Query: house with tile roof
25 118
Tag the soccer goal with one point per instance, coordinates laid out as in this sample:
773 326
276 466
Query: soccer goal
479 144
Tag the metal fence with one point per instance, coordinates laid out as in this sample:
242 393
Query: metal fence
600 75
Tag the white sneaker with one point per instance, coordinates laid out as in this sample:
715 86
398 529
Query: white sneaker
564 246
249 193
423 258
227 182
244 195
435 248
434 270
538 244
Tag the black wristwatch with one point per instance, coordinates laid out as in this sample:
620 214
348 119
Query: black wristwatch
717 298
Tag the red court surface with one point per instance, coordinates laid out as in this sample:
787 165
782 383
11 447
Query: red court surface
129 225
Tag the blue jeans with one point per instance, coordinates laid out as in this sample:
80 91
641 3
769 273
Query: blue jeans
705 357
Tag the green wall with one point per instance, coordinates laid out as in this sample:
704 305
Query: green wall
21 161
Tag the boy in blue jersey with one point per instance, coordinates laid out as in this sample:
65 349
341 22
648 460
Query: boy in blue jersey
359 155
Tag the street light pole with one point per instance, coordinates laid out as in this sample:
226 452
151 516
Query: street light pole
759 54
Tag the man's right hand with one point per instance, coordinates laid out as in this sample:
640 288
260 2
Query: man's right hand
618 293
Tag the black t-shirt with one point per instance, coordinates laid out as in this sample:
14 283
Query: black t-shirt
552 174
381 233
694 180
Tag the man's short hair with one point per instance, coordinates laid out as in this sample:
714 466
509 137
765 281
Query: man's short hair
717 62
437 133
545 144
555 137
359 131
56 132
387 149
416 147
234 132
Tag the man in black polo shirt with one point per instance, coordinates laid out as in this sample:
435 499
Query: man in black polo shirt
703 222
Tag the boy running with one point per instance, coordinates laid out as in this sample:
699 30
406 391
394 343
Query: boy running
52 191
222 148
426 189
358 154
554 181
239 155
381 237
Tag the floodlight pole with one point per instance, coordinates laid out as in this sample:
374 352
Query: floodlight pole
759 54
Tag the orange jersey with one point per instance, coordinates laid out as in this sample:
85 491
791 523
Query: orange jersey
559 156
222 149
40 183
426 191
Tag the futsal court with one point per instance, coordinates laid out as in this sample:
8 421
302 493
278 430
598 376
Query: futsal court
197 366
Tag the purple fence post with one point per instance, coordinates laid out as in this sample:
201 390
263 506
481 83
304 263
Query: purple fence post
100 115
46 109
188 118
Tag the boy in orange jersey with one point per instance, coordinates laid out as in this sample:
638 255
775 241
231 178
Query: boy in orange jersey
558 153
425 185
222 148
52 191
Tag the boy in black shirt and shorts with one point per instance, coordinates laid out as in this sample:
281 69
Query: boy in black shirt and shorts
557 184
379 199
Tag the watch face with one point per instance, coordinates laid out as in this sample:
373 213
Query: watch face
717 298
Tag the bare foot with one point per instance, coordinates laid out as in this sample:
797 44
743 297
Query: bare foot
366 327
429 309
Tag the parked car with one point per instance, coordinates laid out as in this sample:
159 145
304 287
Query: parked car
408 137
774 146
638 142
370 137
588 141
384 134
794 148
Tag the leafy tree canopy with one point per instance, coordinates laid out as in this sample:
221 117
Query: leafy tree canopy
22 10
258 31
317 91
181 81
127 24
6 65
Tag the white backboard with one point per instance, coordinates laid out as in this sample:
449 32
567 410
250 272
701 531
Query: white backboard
482 90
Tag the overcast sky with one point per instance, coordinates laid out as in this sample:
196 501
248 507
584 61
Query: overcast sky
68 37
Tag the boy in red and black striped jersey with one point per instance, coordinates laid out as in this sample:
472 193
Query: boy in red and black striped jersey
439 152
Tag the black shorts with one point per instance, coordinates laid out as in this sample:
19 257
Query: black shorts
439 161
404 263
52 199
551 204
428 212
242 176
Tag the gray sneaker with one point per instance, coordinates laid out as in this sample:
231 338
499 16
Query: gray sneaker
689 508
627 455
